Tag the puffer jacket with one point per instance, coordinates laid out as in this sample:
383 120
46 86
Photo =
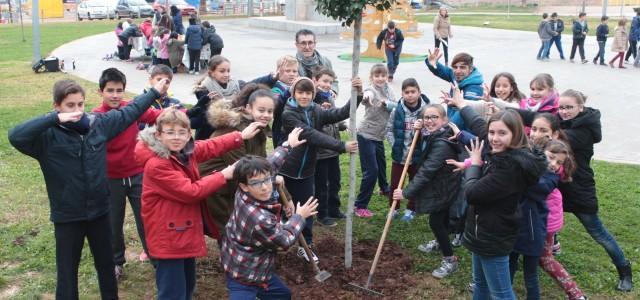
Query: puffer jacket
193 38
225 120
555 219
301 163
174 214
399 130
435 186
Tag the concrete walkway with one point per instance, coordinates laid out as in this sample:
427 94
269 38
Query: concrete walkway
253 52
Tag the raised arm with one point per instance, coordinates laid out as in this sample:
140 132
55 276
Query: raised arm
28 136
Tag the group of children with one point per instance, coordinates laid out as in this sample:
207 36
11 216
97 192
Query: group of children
624 41
492 166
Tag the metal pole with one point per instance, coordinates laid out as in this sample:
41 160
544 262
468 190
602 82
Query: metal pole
35 29
10 13
508 9
21 23
622 8
605 3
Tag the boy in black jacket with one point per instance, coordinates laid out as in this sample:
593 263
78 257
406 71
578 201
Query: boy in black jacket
601 36
70 146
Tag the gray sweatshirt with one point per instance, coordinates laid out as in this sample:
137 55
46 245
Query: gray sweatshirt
375 119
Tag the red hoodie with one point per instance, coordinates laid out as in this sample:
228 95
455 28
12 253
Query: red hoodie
120 149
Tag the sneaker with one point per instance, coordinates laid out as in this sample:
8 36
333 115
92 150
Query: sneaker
555 249
143 256
622 67
429 246
361 213
571 60
584 61
595 61
303 254
191 72
603 64
197 73
339 215
447 266
396 214
368 213
471 287
457 240
408 216
119 270
328 222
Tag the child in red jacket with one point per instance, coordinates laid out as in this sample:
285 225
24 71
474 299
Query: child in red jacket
173 194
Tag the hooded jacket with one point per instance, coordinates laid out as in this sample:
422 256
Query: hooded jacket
120 150
302 159
74 165
545 31
470 85
212 38
435 186
174 214
225 120
193 38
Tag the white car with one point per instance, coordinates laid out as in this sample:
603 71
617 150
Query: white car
96 9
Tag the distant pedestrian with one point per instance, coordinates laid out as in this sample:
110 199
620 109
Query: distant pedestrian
634 36
442 31
545 33
557 25
393 40
620 43
602 33
194 40
176 16
580 29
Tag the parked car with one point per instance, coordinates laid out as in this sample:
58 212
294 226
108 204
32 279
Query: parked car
182 5
435 4
133 9
95 9
415 4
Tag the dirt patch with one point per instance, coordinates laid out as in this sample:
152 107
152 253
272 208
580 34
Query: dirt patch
393 274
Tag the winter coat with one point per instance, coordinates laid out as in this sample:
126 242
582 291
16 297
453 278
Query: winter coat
254 234
131 31
634 32
332 130
494 191
176 51
435 186
620 40
400 131
545 32
555 219
193 38
174 214
120 150
212 38
301 162
441 27
382 36
534 214
472 86
147 30
178 27
74 165
164 51
602 32
226 120
377 112
579 31
557 25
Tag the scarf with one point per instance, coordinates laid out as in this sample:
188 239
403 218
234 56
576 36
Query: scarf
80 127
232 89
548 104
308 64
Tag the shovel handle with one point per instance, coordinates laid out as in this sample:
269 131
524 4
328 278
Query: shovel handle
392 209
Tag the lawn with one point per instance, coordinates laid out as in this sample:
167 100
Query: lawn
27 253
515 22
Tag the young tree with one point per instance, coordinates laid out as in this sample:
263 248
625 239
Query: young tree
350 12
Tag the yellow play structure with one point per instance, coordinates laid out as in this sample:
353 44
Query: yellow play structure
48 8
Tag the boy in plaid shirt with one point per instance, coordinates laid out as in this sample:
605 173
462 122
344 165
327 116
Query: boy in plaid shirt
254 232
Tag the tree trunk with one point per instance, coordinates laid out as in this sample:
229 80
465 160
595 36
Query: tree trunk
203 7
357 32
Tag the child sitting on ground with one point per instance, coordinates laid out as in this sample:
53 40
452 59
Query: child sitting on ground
254 233
173 211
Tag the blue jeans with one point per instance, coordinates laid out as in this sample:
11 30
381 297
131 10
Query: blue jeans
176 278
544 49
491 278
558 41
276 290
600 54
393 59
374 168
530 269
599 233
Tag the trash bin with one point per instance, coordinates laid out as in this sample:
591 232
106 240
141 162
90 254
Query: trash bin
52 64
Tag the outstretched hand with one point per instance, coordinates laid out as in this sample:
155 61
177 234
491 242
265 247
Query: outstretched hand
475 151
434 57
456 99
458 164
307 209
294 138
251 130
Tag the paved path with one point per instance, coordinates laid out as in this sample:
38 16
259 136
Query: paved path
253 52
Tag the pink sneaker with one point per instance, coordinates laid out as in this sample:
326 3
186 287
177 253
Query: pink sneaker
363 213
368 212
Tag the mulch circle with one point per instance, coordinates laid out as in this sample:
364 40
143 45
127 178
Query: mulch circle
392 276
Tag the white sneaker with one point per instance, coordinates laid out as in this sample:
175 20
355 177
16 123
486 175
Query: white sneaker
447 266
457 240
197 73
302 253
191 72
429 246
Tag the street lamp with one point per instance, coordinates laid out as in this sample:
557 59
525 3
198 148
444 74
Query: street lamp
35 30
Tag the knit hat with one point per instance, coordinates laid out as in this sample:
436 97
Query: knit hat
297 81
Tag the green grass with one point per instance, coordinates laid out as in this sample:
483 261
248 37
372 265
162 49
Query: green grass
27 252
518 22
492 8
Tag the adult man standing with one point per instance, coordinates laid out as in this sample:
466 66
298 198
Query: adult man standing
557 25
309 59
393 39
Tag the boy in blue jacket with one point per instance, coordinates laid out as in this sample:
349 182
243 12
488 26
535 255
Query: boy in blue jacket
70 146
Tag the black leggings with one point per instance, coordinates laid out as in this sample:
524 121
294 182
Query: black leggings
194 60
446 48
439 223
633 50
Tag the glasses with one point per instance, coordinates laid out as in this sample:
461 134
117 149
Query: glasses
259 183
566 107
432 118
307 43
177 134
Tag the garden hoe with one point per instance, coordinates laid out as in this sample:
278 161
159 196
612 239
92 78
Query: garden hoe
366 288
321 275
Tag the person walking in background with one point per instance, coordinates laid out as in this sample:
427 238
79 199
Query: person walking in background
393 39
193 40
176 17
620 42
634 36
601 35
442 31
557 25
545 33
580 29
